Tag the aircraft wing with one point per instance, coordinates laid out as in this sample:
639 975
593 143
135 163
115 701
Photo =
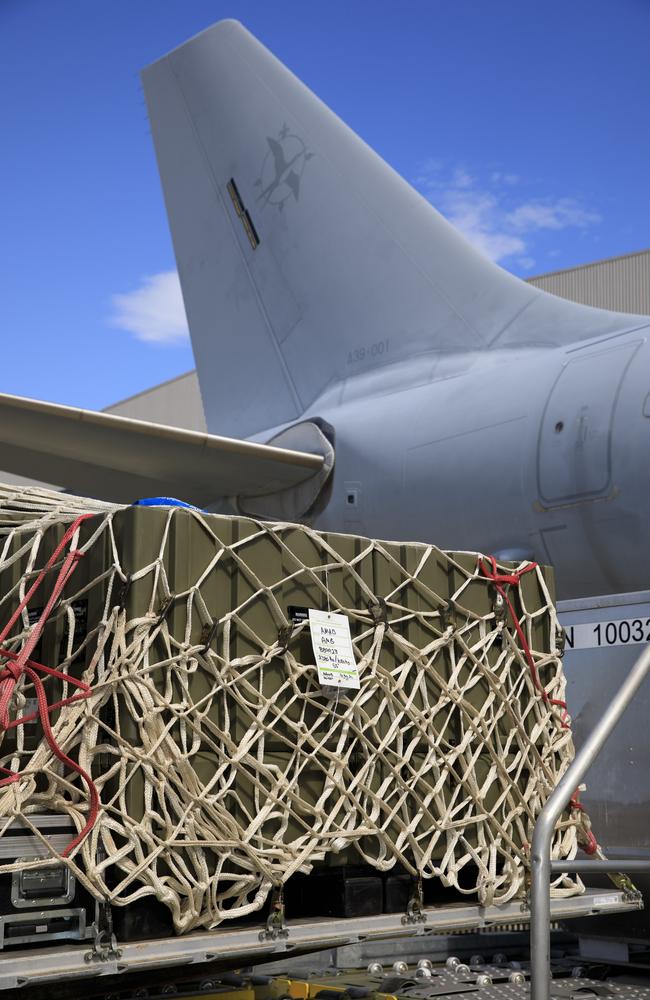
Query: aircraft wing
121 459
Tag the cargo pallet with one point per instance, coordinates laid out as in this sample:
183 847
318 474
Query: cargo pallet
247 945
100 955
33 967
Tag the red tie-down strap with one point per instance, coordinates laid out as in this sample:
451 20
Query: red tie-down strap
20 663
501 581
588 843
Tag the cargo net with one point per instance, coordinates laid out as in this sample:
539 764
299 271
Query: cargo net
215 765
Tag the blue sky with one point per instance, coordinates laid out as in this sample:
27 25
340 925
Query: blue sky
525 123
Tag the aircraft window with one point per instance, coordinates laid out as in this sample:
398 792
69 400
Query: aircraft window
243 214
559 427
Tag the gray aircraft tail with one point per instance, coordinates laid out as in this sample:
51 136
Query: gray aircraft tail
304 259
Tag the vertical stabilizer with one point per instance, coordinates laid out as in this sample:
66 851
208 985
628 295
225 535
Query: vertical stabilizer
304 258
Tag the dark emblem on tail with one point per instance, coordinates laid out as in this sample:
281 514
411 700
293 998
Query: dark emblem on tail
282 168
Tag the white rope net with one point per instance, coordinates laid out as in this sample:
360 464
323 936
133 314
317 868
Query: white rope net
222 766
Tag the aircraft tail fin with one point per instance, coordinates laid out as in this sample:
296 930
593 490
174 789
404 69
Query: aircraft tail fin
304 258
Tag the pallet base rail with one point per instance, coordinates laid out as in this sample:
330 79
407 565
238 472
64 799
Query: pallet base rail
27 968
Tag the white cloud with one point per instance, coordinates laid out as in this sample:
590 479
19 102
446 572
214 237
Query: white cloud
461 179
154 311
428 169
497 219
475 214
526 263
550 215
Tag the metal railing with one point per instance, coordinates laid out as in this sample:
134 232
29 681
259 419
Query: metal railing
542 866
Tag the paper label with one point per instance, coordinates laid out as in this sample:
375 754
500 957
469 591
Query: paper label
297 614
604 900
332 644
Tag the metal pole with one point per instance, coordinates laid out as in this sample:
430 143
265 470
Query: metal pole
585 866
540 903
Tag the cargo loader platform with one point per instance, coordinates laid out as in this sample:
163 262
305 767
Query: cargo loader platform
25 968
499 980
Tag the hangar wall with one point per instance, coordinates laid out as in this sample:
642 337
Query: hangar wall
176 402
618 283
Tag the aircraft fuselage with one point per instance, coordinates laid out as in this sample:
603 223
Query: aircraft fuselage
527 453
